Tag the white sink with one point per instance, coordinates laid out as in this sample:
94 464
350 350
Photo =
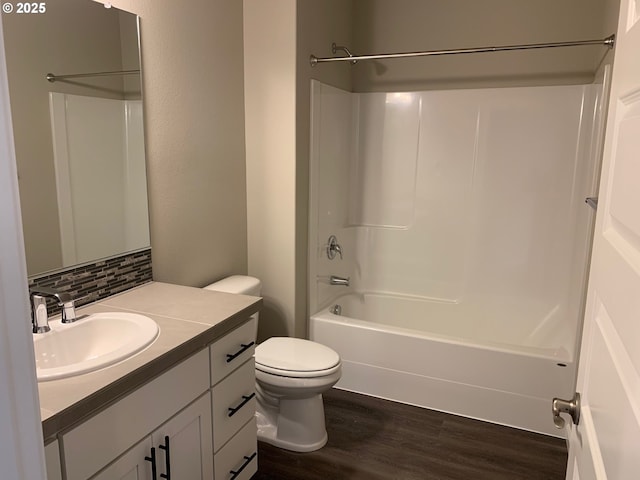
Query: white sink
91 343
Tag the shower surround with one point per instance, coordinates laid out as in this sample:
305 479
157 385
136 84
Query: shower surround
462 221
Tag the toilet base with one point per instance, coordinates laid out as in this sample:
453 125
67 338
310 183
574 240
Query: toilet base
297 425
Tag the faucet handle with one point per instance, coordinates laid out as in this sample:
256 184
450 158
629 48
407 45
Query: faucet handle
69 312
333 247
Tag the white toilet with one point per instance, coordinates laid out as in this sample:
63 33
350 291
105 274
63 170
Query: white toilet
291 375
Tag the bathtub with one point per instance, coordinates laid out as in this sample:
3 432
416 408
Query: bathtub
458 358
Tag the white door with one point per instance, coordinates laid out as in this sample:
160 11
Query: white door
606 442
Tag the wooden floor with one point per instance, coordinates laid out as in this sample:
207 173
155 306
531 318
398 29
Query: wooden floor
375 439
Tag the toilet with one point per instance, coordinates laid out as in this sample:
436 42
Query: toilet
291 376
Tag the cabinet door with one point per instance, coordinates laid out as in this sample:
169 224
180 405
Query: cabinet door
190 443
52 459
130 466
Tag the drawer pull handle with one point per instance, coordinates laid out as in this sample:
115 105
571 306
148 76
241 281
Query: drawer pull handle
152 459
247 461
245 400
245 347
167 460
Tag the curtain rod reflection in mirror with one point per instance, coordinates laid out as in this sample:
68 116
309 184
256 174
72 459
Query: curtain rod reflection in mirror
52 78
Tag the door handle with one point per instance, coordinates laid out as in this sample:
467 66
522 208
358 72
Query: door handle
152 459
572 407
247 461
245 400
167 459
244 348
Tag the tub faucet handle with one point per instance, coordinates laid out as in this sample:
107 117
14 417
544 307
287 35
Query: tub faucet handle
333 247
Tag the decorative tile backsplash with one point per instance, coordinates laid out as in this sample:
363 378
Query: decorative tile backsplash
98 280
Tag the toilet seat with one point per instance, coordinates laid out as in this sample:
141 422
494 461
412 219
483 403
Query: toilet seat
296 358
297 374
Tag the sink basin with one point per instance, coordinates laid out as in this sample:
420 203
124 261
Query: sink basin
91 343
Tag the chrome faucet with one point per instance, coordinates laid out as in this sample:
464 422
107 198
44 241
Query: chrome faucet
334 280
39 314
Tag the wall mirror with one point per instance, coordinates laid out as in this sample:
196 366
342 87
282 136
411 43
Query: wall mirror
79 139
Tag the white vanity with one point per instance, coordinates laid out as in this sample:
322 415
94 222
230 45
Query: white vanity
184 408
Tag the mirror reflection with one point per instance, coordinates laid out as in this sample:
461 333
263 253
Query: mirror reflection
79 140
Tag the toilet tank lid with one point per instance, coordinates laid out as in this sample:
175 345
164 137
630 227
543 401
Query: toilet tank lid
242 284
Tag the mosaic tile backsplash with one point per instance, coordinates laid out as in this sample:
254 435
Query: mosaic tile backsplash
98 280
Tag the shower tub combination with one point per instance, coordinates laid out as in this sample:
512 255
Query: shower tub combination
465 237
413 351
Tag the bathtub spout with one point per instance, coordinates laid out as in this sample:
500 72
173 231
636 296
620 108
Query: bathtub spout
334 280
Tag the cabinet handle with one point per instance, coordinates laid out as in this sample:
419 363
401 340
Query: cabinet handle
152 459
245 347
167 461
247 461
245 400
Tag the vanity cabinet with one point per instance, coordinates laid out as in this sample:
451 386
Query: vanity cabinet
204 408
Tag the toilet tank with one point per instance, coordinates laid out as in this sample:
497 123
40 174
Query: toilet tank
241 284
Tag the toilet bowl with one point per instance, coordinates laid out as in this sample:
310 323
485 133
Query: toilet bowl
291 376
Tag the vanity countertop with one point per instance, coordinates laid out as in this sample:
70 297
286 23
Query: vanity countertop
189 320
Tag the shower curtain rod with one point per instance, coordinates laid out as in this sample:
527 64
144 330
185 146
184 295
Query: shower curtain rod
52 78
313 60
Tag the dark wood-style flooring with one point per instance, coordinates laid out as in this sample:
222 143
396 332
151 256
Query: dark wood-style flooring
375 439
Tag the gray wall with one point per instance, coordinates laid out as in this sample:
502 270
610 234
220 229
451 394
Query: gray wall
194 133
382 26
270 110
279 36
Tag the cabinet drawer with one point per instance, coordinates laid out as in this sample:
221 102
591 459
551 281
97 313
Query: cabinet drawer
96 442
233 403
238 459
232 350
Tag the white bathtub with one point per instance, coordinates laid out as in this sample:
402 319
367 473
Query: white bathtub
456 358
